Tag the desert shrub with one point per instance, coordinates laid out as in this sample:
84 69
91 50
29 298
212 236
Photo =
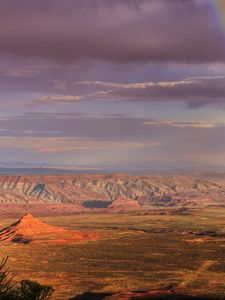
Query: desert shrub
6 286
32 290
24 290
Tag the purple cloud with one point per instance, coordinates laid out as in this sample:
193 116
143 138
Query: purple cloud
118 30
195 92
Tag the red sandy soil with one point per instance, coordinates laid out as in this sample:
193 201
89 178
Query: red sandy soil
124 204
29 229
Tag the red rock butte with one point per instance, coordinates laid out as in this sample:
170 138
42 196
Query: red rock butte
29 229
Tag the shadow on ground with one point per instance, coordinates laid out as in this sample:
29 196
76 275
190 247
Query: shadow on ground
91 296
101 296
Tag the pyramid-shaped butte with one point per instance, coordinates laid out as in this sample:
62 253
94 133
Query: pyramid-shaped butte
30 229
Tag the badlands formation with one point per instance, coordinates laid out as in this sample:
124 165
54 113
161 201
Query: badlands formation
118 191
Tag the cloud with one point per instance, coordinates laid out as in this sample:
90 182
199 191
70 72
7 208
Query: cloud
118 30
48 145
19 72
61 98
59 84
122 142
195 92
176 124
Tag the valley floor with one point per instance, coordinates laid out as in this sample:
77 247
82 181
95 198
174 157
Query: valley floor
138 251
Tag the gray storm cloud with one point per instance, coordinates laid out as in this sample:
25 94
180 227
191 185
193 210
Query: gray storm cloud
118 30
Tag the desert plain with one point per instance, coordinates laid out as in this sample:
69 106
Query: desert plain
176 247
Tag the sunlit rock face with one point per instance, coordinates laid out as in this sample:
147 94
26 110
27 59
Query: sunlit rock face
29 229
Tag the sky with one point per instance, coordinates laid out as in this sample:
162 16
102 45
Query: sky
112 85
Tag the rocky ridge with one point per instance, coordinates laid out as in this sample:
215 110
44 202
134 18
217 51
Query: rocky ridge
144 190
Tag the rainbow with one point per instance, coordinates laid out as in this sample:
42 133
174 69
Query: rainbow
218 9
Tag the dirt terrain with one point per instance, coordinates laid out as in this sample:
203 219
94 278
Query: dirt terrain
139 252
116 236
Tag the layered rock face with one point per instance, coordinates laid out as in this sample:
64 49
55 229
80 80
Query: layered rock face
144 190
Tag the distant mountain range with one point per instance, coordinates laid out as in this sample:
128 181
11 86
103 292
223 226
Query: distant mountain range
20 171
41 170
113 190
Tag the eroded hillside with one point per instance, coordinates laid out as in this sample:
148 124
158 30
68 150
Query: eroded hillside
113 189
